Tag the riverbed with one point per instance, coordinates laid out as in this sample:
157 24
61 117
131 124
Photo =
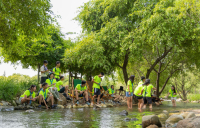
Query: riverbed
85 117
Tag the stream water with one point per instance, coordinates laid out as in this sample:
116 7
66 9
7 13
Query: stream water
85 117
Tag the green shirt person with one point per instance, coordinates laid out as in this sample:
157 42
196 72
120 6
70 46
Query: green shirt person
28 96
173 94
146 91
81 90
57 71
129 91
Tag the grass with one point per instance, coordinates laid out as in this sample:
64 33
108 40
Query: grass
11 87
193 97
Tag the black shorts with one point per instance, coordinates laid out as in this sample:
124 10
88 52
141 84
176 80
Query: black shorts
96 91
62 90
138 97
43 102
155 100
147 100
81 95
57 79
43 80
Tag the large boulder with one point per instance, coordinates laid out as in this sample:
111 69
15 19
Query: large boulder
190 115
162 115
189 123
173 120
184 114
123 113
150 120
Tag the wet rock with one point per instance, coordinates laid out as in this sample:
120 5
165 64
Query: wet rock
170 114
60 107
162 115
150 120
30 110
184 114
172 120
103 105
109 105
165 112
6 108
123 113
127 119
1 104
29 107
194 101
174 111
190 115
193 122
19 107
4 103
152 126
134 119
68 106
14 103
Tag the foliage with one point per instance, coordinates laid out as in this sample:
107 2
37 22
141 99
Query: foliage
193 97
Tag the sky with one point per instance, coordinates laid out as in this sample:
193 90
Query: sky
67 10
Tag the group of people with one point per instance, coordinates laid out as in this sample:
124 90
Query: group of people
143 93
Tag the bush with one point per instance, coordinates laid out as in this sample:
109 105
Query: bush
193 97
12 87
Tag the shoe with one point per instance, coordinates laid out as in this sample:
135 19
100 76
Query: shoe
59 100
77 102
53 106
40 106
87 103
68 98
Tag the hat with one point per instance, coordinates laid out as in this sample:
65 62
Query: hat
147 81
142 78
50 73
45 61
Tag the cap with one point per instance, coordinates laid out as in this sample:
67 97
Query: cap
147 81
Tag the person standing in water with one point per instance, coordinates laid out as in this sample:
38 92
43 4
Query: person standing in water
129 91
57 71
44 72
28 96
173 94
146 91
137 92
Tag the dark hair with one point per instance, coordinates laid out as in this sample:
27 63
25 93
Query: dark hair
102 73
57 62
32 86
83 82
45 61
50 73
112 85
174 88
142 78
132 78
61 77
147 81
44 84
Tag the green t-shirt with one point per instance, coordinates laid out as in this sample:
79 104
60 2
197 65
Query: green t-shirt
57 72
58 85
98 80
44 93
28 93
111 91
147 90
172 93
130 86
138 90
50 81
78 87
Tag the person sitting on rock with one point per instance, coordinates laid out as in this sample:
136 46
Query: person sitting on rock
44 98
112 93
146 91
28 96
61 88
81 90
155 99
52 86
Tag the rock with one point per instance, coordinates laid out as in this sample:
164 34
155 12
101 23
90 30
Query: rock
68 106
103 105
6 108
98 106
162 115
60 107
152 126
197 114
134 119
184 114
123 113
172 120
150 120
86 106
4 103
194 101
29 107
174 111
1 104
30 110
109 105
127 119
19 107
165 112
193 122
190 115
170 114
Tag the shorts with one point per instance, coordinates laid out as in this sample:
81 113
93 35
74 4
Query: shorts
20 99
155 100
42 103
96 91
173 98
147 100
112 95
57 79
127 94
62 90
138 97
43 80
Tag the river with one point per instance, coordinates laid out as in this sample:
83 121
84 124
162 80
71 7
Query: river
85 117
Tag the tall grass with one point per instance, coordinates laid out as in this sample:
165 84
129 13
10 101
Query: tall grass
11 87
193 97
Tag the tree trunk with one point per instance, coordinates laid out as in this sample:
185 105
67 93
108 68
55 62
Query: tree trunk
124 68
38 74
157 84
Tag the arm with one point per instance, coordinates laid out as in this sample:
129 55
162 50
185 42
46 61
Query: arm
45 103
25 97
141 91
154 88
168 94
94 81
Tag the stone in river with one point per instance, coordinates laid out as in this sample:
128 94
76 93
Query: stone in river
193 122
150 120
134 119
172 120
190 115
123 113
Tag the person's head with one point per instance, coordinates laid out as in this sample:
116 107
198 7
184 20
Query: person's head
147 82
112 87
44 85
154 92
62 78
58 64
45 62
132 78
143 78
33 88
51 75
83 83
101 74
